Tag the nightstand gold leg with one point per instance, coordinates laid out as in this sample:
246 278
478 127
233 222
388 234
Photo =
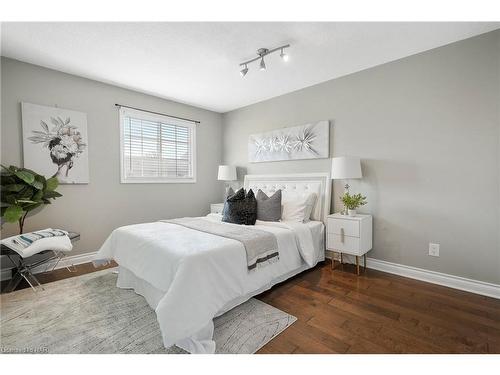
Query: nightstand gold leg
357 265
364 262
333 260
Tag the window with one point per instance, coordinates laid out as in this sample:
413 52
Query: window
156 148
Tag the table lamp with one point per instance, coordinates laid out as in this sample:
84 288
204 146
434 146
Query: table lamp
345 168
227 173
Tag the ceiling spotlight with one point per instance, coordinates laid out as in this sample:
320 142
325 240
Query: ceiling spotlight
262 64
283 55
244 71
261 53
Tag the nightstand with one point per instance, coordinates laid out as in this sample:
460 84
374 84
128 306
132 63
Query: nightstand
216 208
349 235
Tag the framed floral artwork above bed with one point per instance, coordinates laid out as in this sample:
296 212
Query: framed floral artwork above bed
55 142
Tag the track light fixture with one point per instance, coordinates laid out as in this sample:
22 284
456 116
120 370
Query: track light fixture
261 52
262 64
244 71
283 55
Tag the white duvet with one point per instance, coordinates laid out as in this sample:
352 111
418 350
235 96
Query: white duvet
200 276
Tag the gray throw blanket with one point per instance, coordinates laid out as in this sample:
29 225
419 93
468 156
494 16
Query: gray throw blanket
260 246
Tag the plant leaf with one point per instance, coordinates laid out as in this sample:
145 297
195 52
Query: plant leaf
58 124
6 170
13 214
44 126
31 207
23 190
10 199
38 196
25 176
52 184
26 193
36 139
8 179
37 185
40 133
52 194
13 187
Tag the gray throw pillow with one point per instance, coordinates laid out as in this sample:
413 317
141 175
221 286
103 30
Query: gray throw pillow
268 208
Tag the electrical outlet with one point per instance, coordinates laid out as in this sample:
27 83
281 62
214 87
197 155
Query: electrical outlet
434 249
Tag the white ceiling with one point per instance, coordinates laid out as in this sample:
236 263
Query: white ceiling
197 63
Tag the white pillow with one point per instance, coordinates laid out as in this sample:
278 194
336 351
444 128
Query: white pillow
297 207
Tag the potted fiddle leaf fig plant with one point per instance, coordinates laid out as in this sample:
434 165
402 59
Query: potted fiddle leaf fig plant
24 190
352 202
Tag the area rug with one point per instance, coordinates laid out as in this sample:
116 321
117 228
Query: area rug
89 314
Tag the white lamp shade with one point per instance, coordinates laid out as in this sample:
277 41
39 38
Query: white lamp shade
227 173
346 167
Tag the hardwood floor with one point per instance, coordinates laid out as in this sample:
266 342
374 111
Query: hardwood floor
339 312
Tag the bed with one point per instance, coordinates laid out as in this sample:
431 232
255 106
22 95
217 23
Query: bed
189 277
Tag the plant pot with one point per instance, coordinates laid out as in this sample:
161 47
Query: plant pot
351 212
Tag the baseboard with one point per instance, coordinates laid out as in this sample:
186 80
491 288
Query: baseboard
451 281
456 282
6 274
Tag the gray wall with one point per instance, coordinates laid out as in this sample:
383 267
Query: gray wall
96 209
427 129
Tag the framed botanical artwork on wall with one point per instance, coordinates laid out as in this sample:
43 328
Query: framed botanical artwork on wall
55 142
309 141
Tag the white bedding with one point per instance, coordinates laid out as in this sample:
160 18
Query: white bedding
190 277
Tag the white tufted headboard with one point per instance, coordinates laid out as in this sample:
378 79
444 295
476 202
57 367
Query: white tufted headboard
318 183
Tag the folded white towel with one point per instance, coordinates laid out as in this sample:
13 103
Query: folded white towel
57 243
26 239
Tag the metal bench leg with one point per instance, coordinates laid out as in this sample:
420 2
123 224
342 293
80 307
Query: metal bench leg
14 282
28 275
23 271
71 268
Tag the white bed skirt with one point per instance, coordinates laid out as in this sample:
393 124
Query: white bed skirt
201 342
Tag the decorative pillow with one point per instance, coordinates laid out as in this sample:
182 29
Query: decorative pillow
269 208
297 207
240 208
310 203
229 192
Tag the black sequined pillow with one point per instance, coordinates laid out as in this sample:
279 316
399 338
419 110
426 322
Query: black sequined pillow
240 208
230 192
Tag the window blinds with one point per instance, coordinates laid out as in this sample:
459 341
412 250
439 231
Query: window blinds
156 148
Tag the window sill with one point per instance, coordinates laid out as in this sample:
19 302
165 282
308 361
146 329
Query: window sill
171 181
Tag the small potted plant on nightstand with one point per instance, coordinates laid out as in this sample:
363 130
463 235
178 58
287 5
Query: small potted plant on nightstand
352 202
